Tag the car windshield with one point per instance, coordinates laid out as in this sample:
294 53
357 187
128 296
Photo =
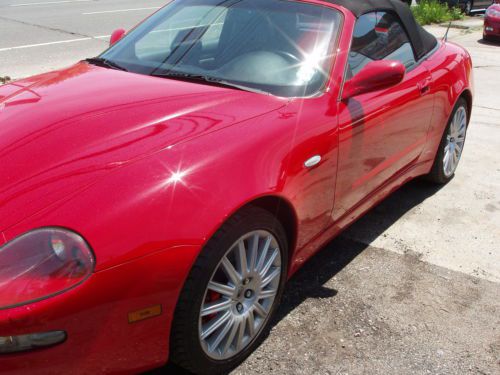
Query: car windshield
279 47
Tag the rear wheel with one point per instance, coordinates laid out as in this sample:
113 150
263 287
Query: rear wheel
231 294
451 146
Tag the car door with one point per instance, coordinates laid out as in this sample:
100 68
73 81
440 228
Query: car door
381 133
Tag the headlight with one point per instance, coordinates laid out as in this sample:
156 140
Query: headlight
41 264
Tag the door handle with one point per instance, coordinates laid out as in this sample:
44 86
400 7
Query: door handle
424 89
311 162
424 86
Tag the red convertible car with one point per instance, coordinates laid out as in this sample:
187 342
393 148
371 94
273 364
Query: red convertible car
154 200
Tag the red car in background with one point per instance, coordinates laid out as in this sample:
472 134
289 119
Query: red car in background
155 200
491 29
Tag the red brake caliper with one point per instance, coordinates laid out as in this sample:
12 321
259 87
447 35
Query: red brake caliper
211 297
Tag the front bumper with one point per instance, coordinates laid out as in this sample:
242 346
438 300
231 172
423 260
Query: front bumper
95 317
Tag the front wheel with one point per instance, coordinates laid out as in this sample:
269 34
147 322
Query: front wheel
231 294
451 146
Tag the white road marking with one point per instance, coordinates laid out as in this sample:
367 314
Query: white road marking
120 10
49 43
49 2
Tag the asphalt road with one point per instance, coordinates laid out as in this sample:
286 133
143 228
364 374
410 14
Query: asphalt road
41 35
413 287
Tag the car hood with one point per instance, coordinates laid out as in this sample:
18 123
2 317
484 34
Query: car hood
61 131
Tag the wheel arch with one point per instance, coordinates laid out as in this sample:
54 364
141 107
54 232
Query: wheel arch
467 95
284 212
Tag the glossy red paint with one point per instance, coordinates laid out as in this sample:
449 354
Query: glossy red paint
492 21
147 169
376 75
116 36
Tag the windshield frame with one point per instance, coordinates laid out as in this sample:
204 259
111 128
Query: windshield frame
332 52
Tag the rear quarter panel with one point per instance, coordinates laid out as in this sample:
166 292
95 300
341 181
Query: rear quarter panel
452 77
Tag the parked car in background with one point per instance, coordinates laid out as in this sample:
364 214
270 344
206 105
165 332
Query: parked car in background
155 199
469 6
491 29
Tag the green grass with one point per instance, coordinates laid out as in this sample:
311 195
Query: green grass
432 11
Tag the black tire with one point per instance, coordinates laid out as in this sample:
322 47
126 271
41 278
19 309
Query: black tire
185 347
488 38
437 174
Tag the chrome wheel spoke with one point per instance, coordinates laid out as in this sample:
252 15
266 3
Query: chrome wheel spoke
240 335
267 294
231 271
251 323
275 273
269 263
240 295
241 259
215 307
263 255
222 334
455 140
225 290
254 249
260 310
230 339
212 326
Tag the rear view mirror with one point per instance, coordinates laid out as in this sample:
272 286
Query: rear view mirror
116 36
376 75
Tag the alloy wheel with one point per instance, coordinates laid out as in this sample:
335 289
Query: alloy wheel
455 140
240 295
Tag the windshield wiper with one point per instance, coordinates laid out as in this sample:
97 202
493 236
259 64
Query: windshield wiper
206 79
99 61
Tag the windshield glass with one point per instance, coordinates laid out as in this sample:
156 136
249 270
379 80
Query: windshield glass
276 46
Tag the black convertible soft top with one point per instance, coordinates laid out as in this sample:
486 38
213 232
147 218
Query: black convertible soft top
422 41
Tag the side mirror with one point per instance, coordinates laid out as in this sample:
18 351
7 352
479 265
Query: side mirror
116 36
376 75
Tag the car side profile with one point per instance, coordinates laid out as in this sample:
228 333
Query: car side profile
155 199
470 6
